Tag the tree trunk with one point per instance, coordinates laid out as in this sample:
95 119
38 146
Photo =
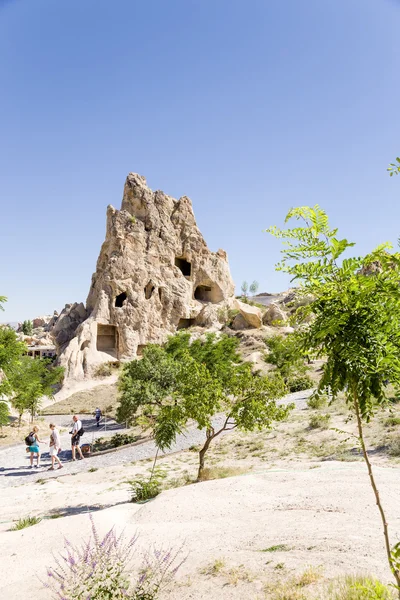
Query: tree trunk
395 572
202 453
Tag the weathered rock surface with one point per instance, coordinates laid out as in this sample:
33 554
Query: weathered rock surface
274 316
154 275
251 314
239 322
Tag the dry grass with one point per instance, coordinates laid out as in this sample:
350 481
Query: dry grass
221 472
12 434
86 402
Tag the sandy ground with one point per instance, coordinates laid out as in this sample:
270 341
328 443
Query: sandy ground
326 516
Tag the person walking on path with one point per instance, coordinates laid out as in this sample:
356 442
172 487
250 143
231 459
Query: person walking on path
33 447
97 414
55 446
76 432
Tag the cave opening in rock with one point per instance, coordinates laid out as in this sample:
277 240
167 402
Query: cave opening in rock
107 338
85 345
185 323
183 265
208 293
140 349
120 299
148 290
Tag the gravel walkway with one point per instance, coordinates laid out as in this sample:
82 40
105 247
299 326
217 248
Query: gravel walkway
14 461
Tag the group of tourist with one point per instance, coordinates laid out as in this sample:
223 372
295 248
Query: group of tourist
33 442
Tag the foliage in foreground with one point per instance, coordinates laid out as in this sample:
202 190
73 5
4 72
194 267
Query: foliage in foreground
359 588
11 350
188 381
25 522
99 570
286 354
353 321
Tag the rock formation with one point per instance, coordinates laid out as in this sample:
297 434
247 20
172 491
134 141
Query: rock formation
154 275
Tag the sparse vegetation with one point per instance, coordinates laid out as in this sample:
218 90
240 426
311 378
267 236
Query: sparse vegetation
107 369
25 522
286 355
115 441
320 421
145 488
317 401
277 548
358 588
221 472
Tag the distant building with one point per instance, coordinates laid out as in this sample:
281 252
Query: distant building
41 351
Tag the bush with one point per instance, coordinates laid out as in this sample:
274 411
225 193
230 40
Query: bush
27 522
319 421
285 354
99 570
298 383
116 441
317 401
106 369
220 473
144 488
359 588
394 447
392 421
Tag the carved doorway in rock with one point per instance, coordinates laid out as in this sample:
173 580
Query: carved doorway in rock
107 339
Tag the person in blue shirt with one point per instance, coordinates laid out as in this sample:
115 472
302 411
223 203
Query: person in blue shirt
97 414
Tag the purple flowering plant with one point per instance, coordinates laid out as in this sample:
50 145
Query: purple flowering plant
99 570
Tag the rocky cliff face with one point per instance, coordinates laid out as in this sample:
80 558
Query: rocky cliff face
154 275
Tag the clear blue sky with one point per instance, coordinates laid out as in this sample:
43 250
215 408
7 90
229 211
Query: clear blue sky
248 107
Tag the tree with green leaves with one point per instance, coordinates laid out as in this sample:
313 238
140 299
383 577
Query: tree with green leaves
253 288
11 351
245 290
4 414
31 379
27 327
188 381
353 322
394 168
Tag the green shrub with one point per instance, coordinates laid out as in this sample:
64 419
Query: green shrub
394 447
106 369
319 421
359 588
116 441
27 522
146 488
317 401
392 421
298 383
285 354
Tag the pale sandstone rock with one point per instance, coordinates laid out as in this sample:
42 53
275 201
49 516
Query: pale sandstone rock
251 314
274 316
154 275
239 322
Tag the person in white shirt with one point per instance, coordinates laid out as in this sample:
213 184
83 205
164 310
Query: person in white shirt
55 446
75 440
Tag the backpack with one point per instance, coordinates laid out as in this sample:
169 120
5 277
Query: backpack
30 439
80 432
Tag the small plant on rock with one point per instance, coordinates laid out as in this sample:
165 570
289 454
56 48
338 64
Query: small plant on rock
146 488
26 522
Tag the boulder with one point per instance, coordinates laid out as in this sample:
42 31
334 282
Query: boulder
239 322
251 314
154 275
274 316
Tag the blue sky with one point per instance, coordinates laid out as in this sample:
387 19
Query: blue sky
249 108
